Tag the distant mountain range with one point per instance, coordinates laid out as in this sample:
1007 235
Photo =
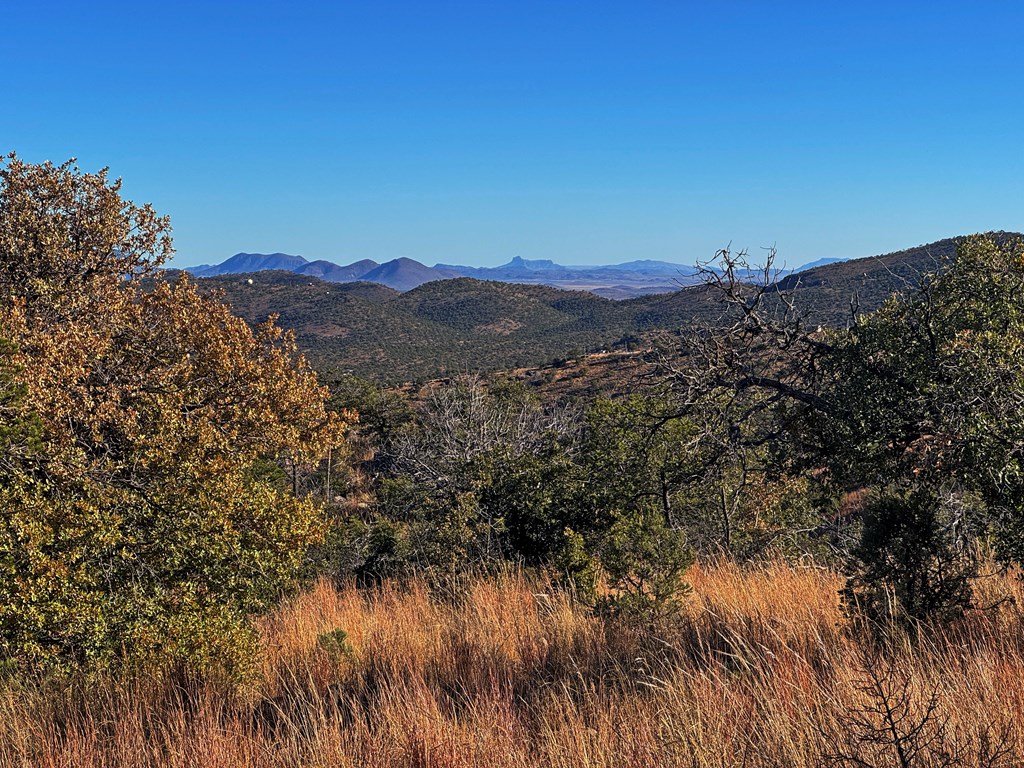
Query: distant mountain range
332 273
250 262
615 281
468 324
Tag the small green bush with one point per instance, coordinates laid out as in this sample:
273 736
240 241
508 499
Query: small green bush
645 561
336 645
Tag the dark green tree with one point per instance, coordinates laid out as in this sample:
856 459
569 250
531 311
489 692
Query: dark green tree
928 407
919 405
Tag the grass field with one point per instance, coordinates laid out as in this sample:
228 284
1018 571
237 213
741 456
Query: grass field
761 669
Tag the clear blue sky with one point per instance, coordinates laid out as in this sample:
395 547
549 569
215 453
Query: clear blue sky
587 132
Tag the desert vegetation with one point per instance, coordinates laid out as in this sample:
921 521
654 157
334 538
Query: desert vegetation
468 325
760 668
783 543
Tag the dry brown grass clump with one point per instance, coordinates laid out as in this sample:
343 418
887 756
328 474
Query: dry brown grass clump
760 670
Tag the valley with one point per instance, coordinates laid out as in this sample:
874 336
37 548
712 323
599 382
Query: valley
469 325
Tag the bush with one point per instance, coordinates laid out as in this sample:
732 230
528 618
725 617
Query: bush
145 431
576 568
645 561
909 564
336 645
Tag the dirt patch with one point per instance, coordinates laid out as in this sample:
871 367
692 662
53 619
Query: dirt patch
503 327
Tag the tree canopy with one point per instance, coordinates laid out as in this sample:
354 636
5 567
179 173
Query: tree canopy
145 431
917 407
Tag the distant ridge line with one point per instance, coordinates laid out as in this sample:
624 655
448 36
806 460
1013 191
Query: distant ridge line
630 279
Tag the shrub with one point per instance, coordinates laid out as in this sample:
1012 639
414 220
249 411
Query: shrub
146 512
909 564
645 561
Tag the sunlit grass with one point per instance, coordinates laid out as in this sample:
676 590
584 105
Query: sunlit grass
760 670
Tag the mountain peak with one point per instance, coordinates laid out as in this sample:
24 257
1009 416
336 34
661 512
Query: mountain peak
518 262
253 262
403 274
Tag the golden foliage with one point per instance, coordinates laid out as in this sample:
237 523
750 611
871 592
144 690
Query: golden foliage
151 491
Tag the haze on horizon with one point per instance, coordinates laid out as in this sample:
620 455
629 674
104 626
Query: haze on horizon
583 133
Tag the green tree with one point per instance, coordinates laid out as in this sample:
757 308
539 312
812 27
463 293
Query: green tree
928 407
919 405
646 562
479 473
139 521
910 567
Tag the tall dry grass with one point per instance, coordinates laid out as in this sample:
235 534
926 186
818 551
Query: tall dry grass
760 670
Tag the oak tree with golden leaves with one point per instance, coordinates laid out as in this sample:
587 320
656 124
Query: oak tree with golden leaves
143 512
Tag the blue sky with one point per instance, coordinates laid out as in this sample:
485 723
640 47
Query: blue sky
589 132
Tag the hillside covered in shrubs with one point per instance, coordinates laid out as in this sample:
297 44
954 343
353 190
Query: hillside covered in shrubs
467 325
176 480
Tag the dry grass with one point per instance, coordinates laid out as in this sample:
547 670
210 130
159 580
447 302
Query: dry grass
761 670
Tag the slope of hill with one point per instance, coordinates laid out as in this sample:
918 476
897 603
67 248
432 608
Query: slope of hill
827 292
436 329
818 263
403 274
464 324
251 262
623 292
333 273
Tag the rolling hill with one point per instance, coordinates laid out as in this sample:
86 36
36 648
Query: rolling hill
438 328
333 273
465 324
826 291
635 278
